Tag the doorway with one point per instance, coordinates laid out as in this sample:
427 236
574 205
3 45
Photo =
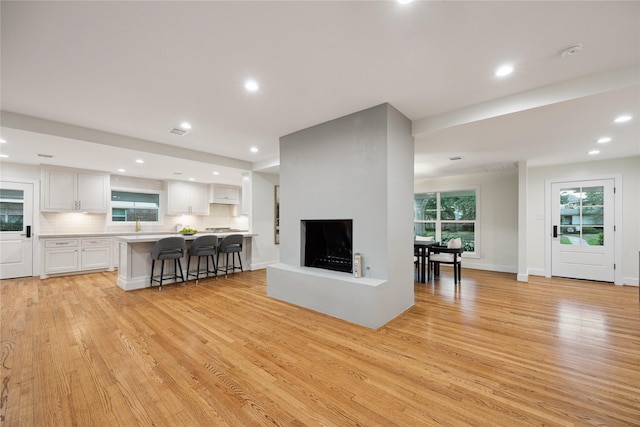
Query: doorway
16 226
583 232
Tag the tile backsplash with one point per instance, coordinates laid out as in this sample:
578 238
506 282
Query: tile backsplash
75 222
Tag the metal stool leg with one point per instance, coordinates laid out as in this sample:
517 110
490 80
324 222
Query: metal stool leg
161 274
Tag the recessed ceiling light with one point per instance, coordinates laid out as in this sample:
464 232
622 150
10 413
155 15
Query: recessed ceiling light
592 152
254 149
4 156
185 125
603 140
251 85
623 118
2 141
404 1
191 179
504 70
571 50
121 170
140 161
216 173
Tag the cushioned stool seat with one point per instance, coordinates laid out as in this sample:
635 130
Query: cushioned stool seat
167 248
203 246
232 244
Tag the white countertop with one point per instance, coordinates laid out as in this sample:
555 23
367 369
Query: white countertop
155 237
125 233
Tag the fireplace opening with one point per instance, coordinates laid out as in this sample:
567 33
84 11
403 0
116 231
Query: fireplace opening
328 244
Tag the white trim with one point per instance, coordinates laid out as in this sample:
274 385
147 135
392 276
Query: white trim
35 232
476 222
162 202
262 265
536 272
617 235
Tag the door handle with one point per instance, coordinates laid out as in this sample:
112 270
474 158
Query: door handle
555 231
28 231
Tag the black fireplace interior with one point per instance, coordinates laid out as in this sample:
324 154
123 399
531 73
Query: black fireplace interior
328 244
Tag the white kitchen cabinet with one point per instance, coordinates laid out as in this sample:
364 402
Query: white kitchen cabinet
226 194
73 190
61 256
72 255
95 253
187 198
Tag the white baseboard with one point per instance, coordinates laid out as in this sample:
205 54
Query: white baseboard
536 272
489 267
262 265
523 278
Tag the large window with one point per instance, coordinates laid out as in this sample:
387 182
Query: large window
446 215
129 206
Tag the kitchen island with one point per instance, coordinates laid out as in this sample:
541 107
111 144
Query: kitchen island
134 271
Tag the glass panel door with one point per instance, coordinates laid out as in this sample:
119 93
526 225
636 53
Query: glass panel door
582 216
11 210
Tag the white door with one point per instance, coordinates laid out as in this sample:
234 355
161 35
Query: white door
16 221
582 244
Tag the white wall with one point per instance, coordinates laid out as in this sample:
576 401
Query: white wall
264 251
628 231
15 170
497 237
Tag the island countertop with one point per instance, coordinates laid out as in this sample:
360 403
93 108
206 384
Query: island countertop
141 238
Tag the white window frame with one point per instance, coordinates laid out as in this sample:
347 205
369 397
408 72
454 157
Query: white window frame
161 199
438 221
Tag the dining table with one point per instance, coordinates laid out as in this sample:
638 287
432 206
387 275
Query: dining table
421 249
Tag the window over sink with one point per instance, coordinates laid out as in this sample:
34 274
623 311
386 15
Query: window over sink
127 206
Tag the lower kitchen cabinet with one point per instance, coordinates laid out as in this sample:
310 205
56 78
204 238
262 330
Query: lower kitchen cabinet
72 255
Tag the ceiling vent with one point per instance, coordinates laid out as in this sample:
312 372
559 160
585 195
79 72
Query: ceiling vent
177 131
46 156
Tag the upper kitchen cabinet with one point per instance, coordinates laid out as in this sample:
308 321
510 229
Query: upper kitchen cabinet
187 198
226 194
65 190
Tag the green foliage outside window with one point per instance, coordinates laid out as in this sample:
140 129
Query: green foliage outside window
447 215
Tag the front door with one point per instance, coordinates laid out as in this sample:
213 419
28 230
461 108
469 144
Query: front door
16 220
582 244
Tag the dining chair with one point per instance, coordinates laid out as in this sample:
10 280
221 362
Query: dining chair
450 254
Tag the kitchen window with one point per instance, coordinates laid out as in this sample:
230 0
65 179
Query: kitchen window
129 206
448 214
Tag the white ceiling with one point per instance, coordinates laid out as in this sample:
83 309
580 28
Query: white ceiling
121 74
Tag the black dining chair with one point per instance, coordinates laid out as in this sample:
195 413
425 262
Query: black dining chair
167 248
450 254
203 246
231 244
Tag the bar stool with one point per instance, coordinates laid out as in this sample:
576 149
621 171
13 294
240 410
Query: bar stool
232 244
167 248
203 246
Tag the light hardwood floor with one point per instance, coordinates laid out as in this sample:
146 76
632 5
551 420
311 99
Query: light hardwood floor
492 351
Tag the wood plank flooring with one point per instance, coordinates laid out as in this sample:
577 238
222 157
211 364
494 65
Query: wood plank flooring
489 352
